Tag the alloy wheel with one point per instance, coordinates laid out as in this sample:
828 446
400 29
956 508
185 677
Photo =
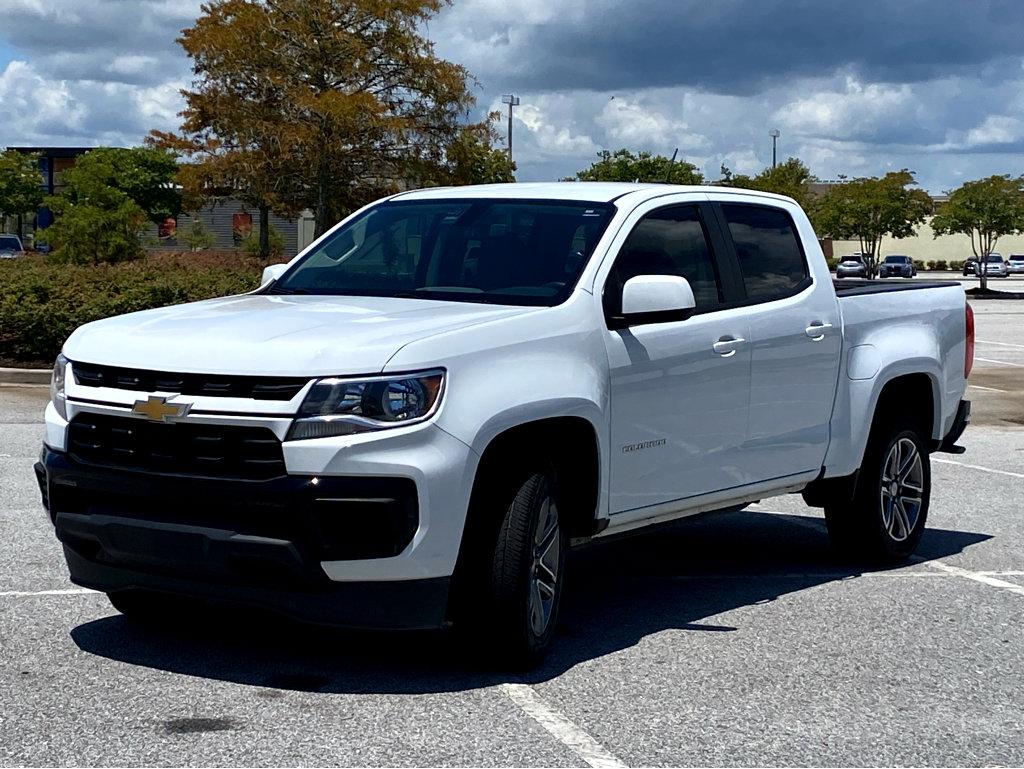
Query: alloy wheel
902 489
546 560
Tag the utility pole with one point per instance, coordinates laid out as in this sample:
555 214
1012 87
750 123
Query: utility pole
775 134
512 101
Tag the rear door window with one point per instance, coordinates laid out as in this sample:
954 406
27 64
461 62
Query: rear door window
770 258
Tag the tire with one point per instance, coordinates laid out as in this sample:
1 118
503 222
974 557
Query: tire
886 517
514 610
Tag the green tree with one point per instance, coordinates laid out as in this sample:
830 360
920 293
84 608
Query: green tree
107 198
868 209
340 98
470 158
625 166
197 237
102 227
21 188
792 179
984 210
144 174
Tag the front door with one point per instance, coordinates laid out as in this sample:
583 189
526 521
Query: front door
679 390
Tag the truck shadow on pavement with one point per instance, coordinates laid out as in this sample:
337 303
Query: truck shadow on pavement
620 592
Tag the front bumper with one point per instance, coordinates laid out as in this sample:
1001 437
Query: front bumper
258 543
356 531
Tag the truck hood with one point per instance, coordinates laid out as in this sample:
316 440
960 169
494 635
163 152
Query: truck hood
274 335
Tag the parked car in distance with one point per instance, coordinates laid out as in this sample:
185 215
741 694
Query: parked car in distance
851 266
1015 264
10 247
971 265
897 266
995 267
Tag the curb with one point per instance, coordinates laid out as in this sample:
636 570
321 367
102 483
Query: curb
40 376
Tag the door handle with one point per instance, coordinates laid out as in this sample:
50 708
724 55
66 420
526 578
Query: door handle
817 330
728 345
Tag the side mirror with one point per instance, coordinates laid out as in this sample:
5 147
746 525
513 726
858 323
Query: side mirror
654 299
273 272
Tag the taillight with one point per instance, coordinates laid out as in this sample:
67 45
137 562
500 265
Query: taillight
969 354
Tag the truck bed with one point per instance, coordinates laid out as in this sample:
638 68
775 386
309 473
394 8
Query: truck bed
861 286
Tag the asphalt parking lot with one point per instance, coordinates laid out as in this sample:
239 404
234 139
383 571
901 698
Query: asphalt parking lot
733 639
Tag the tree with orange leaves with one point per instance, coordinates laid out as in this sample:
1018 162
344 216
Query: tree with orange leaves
320 104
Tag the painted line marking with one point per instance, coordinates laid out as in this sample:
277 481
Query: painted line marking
1001 362
990 389
560 727
27 593
975 576
977 467
1001 344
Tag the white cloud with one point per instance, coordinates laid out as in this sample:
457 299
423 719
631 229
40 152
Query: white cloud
33 106
634 125
996 129
42 111
858 110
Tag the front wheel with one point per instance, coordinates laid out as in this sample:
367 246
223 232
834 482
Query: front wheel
515 609
885 519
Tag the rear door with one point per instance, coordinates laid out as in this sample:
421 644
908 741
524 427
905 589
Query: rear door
796 342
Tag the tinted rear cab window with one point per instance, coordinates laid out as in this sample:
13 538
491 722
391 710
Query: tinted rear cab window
770 258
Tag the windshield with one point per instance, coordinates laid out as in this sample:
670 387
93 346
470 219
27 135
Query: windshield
851 259
493 251
897 259
995 258
9 244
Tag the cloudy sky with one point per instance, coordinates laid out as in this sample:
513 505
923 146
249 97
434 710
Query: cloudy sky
855 87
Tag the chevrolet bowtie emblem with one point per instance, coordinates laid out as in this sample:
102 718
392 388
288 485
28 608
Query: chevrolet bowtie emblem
159 410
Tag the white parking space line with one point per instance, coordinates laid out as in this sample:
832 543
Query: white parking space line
989 389
1001 362
976 576
30 593
977 467
1001 344
560 727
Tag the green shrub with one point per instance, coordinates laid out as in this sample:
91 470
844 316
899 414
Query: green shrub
251 243
90 234
957 265
930 264
197 237
919 263
42 301
940 264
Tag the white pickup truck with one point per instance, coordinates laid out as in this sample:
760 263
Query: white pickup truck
410 423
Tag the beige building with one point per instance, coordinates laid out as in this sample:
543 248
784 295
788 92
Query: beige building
926 247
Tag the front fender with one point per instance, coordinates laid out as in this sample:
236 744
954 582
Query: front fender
550 363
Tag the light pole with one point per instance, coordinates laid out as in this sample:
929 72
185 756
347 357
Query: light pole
775 134
512 101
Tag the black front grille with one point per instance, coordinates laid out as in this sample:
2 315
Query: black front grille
214 451
219 385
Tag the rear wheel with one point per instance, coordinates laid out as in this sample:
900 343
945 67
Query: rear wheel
885 519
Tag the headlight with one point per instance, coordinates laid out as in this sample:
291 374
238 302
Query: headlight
348 406
57 386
